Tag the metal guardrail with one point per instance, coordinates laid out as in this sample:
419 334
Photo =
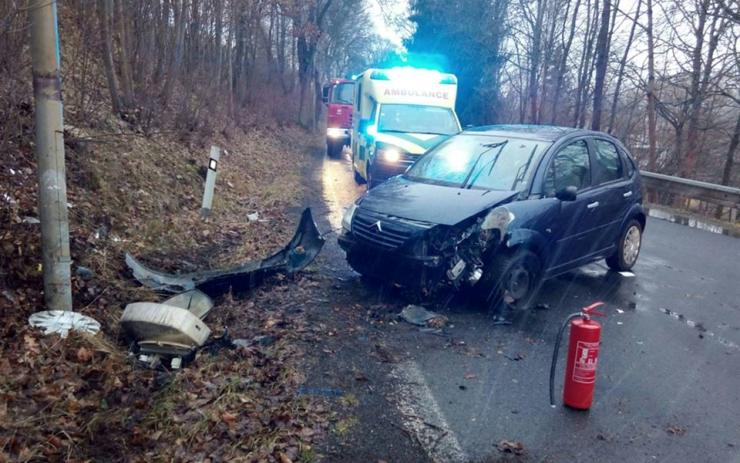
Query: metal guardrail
708 199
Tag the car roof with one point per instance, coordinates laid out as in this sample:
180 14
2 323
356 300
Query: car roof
538 132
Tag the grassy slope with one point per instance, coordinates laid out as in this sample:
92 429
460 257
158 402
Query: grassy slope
84 398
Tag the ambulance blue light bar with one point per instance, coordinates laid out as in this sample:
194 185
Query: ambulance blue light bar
423 76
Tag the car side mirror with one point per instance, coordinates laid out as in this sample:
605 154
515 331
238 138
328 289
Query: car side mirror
568 193
325 94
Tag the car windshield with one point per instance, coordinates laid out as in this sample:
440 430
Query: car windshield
417 119
343 93
480 161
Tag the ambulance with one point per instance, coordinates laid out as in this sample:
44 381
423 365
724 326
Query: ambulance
397 115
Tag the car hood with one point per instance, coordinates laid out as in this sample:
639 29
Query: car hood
426 202
412 143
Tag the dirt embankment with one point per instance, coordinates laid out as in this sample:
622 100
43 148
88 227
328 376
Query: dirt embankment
84 398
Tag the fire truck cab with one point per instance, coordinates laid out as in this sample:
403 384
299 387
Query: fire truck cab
398 114
338 96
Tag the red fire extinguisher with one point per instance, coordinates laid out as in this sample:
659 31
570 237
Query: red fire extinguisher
583 353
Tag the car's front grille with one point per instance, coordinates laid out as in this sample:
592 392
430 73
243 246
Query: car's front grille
384 231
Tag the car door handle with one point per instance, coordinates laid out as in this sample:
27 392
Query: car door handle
593 205
627 194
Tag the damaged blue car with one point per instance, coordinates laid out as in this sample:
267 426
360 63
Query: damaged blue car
500 209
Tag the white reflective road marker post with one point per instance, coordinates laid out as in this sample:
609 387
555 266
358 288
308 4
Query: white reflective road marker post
205 210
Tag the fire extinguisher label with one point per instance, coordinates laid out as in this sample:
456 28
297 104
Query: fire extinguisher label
584 369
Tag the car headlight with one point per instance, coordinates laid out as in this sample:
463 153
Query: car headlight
334 132
347 218
498 219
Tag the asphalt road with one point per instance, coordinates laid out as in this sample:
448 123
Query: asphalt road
668 383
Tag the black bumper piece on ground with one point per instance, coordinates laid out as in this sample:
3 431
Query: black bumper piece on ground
297 254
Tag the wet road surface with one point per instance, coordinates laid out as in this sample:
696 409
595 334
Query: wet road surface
668 384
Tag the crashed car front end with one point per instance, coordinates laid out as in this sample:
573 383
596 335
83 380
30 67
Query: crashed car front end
420 254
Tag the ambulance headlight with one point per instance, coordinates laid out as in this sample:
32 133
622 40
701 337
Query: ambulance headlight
390 155
347 218
333 132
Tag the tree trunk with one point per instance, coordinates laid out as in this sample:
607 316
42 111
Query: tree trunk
622 64
564 64
652 148
127 83
699 85
104 13
602 55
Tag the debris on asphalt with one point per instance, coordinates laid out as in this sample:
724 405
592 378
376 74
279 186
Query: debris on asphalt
516 357
419 316
63 321
296 255
542 306
676 430
500 320
514 448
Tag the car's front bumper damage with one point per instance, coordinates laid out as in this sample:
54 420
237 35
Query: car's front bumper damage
424 256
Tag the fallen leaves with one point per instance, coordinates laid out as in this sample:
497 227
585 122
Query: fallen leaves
511 447
83 399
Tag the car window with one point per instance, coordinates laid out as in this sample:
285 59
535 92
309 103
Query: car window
570 167
629 165
608 162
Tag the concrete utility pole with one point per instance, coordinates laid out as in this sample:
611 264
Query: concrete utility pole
47 89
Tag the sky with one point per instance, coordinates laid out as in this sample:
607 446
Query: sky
381 11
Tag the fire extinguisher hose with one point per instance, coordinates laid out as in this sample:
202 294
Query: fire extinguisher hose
555 355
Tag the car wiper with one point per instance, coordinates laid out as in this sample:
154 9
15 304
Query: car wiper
523 169
491 147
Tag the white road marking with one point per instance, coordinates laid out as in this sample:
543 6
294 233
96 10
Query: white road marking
422 416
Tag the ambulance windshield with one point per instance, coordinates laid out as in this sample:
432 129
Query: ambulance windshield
417 119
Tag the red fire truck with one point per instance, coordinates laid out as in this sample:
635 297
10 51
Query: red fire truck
338 95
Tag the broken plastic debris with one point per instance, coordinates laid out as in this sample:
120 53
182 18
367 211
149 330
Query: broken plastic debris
417 315
253 217
620 311
297 254
159 324
31 220
195 301
63 321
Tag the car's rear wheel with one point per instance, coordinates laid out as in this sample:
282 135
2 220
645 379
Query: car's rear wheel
512 276
628 248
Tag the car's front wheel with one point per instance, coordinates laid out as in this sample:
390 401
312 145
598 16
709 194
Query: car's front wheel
628 247
334 149
512 276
